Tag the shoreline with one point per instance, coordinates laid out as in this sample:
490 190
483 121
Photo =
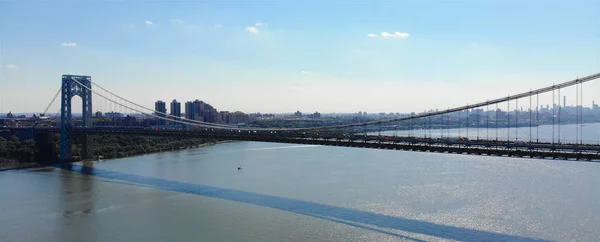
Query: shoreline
18 165
160 151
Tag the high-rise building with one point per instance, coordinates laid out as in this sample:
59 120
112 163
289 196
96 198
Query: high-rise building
233 118
200 105
160 109
198 109
207 113
175 109
190 112
225 117
564 101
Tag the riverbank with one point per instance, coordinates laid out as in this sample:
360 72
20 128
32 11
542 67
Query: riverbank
118 146
13 165
211 143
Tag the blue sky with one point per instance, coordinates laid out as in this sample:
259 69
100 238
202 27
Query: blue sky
282 56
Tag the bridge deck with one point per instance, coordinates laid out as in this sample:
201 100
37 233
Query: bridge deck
479 147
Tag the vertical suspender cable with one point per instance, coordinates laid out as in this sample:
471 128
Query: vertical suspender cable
441 125
530 118
477 126
508 120
497 121
553 114
581 110
487 121
410 127
460 122
576 113
559 114
517 119
448 122
537 118
468 123
429 127
422 127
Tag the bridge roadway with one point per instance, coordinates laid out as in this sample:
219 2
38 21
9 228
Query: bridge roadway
587 152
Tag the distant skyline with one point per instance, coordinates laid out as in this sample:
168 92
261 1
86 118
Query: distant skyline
275 56
491 109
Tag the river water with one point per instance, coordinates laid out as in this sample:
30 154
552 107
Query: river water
291 192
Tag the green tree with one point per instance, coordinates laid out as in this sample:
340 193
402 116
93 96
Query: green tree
3 148
12 147
27 151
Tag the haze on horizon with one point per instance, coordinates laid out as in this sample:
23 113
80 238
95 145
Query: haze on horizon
260 56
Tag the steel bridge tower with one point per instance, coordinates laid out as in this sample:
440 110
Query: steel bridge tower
74 85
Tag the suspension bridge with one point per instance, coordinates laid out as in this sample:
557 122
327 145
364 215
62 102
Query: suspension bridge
435 131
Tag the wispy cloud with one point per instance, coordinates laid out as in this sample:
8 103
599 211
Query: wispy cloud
305 72
69 44
180 23
395 35
11 66
217 26
254 29
399 35
131 25
177 21
149 23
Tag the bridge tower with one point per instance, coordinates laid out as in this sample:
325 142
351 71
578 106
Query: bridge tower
74 85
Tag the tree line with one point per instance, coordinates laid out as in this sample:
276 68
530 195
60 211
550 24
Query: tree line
106 146
13 149
116 146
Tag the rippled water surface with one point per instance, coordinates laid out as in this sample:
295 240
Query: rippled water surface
302 193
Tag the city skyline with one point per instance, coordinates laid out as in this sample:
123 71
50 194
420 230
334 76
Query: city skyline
273 60
161 110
